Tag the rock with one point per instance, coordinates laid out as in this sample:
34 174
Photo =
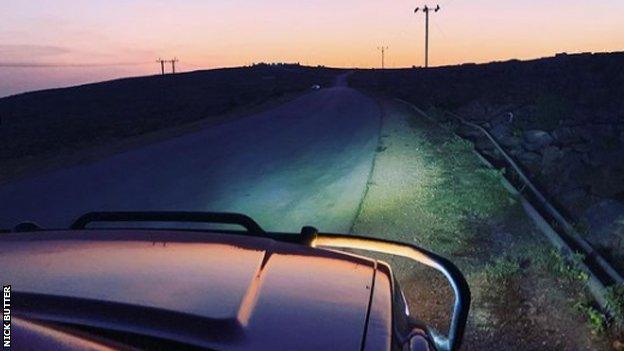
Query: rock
571 122
537 137
529 157
531 161
502 118
606 159
500 131
469 132
566 135
594 132
573 195
582 132
583 147
492 154
531 147
550 157
535 140
484 144
514 152
574 200
606 181
586 159
605 224
572 170
511 142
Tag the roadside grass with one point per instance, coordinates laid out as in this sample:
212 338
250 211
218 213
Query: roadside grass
496 279
502 270
615 304
565 269
569 273
456 191
596 319
496 293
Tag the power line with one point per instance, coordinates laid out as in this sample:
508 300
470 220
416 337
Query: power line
426 9
383 55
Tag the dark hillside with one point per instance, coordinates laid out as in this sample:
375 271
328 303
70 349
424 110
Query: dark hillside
51 122
576 87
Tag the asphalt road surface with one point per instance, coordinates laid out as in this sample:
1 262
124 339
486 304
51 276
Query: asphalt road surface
304 163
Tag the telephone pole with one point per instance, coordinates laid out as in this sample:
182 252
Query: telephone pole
162 65
383 55
173 62
426 9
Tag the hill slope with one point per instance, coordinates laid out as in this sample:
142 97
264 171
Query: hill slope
44 124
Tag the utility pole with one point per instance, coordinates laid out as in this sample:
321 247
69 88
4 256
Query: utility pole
383 55
162 65
173 61
426 9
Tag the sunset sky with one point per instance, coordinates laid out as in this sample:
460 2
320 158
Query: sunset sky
64 42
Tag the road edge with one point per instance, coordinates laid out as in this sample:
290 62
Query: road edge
382 113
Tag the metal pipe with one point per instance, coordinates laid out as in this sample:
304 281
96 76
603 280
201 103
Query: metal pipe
454 276
567 227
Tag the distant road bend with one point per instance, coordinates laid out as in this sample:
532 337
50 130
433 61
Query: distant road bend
304 163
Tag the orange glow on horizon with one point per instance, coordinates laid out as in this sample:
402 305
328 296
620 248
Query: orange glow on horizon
130 35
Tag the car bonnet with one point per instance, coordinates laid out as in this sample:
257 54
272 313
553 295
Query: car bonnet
238 292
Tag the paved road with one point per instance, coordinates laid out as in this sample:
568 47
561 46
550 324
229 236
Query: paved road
306 162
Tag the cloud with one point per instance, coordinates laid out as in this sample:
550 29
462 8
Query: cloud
43 56
61 64
31 51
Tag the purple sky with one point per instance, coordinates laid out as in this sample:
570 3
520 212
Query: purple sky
64 42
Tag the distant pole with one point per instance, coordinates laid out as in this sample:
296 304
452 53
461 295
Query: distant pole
173 62
426 9
383 55
162 66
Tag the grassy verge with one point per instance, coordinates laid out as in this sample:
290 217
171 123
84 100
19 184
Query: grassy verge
429 188
456 193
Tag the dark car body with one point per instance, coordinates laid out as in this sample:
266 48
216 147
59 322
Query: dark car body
174 289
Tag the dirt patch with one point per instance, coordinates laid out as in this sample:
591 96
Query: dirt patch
428 188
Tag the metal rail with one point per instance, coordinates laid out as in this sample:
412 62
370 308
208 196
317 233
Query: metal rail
589 252
181 217
452 340
570 233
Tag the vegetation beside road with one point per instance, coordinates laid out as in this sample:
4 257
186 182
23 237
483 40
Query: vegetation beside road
40 126
428 188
